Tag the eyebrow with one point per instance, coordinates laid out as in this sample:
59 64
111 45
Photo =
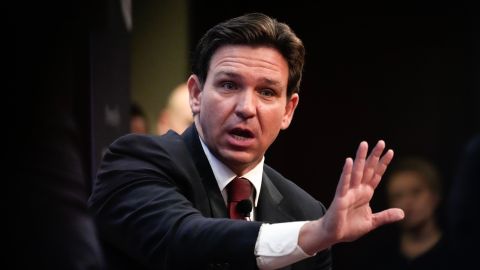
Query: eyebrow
227 74
237 76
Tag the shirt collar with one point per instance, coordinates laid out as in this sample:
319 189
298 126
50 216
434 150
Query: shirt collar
224 175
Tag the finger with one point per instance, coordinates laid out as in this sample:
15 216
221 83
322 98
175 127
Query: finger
381 168
344 182
387 216
359 164
372 161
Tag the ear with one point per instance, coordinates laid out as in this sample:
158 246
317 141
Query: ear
195 93
290 107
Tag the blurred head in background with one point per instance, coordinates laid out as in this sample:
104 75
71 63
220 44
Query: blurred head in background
414 185
177 114
138 120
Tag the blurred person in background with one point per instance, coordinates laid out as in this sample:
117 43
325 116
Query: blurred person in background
177 114
138 119
415 185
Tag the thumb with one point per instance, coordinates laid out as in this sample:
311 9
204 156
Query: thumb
387 216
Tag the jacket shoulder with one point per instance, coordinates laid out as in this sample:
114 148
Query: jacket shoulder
135 158
295 196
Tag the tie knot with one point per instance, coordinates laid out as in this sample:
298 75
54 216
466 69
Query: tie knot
239 189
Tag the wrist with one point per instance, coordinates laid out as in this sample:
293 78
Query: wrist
313 237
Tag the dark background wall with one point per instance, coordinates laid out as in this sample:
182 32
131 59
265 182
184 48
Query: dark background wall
404 72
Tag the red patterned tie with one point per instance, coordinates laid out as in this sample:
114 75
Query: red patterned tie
238 189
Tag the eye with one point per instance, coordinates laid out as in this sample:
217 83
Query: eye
396 196
416 192
229 85
267 92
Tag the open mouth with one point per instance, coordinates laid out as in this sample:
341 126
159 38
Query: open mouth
241 134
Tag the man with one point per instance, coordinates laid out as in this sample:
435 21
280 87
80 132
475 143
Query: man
138 119
176 115
415 185
161 202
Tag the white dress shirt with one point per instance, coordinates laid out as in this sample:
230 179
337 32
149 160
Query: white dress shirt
277 244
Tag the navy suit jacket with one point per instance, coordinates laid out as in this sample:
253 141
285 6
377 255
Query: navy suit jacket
157 205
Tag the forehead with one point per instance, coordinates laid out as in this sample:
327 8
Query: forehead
254 58
406 179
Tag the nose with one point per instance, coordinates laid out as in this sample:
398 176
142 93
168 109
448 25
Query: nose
246 104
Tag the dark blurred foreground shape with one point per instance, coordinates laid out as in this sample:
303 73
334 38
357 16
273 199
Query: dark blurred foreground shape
463 205
71 82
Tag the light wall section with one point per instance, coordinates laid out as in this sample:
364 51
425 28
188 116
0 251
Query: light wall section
159 53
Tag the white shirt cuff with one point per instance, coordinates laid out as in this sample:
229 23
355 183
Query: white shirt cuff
277 245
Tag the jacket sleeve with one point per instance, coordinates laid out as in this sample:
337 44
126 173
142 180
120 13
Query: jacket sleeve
141 205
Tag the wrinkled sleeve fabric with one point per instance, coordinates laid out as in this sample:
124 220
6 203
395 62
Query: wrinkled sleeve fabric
141 205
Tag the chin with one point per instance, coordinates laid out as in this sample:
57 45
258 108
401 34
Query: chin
237 158
240 159
412 224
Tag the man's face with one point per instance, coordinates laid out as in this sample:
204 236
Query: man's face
409 191
138 125
243 104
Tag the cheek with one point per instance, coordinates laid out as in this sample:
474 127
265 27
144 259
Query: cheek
421 207
429 204
399 203
270 123
209 116
215 113
272 116
210 106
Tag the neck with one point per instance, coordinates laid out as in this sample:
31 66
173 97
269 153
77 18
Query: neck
416 241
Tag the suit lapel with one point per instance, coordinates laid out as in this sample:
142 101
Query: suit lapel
270 208
214 196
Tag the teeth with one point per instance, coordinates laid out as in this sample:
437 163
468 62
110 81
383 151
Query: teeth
241 138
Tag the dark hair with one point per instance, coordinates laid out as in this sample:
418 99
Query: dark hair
424 168
136 110
253 29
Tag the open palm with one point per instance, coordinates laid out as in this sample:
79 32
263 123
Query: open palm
350 215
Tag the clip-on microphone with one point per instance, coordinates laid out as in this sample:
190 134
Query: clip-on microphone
245 207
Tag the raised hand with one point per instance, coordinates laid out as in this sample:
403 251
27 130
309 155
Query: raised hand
350 216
